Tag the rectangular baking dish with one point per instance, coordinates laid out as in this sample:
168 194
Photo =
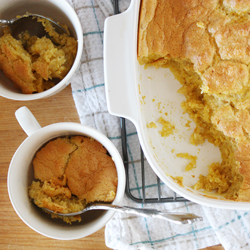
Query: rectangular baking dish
145 95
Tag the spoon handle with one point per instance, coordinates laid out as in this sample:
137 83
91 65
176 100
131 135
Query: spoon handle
179 218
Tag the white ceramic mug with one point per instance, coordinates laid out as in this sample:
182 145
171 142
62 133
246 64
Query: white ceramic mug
20 176
60 11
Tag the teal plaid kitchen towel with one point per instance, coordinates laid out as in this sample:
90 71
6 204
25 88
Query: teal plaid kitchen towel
226 227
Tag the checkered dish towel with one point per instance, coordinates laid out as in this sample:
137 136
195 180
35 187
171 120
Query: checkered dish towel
226 227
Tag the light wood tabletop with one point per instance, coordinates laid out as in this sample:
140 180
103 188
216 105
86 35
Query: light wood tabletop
15 234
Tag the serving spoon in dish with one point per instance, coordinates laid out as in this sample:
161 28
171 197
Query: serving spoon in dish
178 218
29 22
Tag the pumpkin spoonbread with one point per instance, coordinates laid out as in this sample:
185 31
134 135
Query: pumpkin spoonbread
206 45
71 172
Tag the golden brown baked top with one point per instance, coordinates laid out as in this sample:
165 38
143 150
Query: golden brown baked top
89 171
176 29
193 30
206 44
51 161
33 63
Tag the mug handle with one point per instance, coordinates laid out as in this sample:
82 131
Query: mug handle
27 120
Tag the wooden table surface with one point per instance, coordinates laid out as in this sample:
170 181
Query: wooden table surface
14 233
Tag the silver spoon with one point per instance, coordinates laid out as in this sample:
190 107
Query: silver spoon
178 218
29 22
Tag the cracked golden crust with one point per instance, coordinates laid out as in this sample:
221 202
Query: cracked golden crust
50 162
225 78
233 41
226 121
175 29
80 163
237 5
91 173
192 30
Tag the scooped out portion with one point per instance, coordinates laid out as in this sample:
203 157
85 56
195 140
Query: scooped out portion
36 64
71 172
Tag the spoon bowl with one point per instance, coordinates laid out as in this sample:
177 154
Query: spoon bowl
178 218
29 22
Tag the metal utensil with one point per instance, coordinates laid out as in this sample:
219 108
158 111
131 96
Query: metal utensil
178 218
29 22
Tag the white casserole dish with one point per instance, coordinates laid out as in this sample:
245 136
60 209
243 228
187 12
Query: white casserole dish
143 96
